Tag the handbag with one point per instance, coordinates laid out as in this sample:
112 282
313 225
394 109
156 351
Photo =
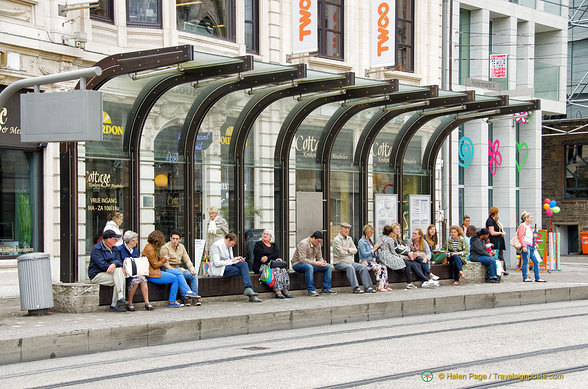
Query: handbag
136 266
515 242
277 264
267 275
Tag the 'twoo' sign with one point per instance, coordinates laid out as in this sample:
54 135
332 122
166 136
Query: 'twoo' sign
383 33
304 22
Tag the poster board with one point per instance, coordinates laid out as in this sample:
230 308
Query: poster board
420 212
385 212
198 252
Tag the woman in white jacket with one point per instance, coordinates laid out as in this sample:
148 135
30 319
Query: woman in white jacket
113 222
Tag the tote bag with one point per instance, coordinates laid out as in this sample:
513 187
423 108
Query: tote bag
136 266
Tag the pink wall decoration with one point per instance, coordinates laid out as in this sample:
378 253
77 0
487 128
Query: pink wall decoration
495 156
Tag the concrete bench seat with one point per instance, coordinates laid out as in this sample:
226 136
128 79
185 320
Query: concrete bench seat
226 286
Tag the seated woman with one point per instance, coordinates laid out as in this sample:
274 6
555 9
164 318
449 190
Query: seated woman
157 275
392 241
478 253
129 250
457 250
266 252
420 252
367 256
432 240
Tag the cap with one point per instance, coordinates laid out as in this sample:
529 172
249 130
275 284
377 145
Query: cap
110 234
345 224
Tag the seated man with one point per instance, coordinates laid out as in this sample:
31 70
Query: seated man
343 257
106 269
223 264
308 258
177 253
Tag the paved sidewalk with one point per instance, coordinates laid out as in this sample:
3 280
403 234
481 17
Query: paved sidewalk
26 338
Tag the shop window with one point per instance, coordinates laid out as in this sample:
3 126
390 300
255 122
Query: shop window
252 26
576 172
20 193
214 18
104 12
144 13
405 35
464 44
330 28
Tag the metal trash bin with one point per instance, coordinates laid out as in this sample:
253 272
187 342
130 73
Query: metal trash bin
34 281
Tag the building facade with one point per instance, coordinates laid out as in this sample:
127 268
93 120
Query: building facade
146 178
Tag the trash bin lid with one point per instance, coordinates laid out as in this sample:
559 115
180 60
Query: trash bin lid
32 257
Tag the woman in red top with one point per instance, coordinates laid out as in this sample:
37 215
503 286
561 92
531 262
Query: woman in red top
527 239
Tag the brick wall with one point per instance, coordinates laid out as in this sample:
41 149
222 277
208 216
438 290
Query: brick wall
573 212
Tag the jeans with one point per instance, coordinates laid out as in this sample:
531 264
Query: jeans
239 269
309 270
456 266
526 255
350 270
490 263
191 278
424 265
416 267
167 277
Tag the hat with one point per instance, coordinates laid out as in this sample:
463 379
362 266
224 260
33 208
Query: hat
483 231
110 234
345 224
317 235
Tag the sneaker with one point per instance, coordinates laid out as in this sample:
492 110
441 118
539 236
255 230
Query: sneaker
192 295
435 283
122 303
370 290
493 281
175 304
313 293
328 291
197 303
186 302
409 286
250 292
356 290
435 278
116 308
540 280
428 284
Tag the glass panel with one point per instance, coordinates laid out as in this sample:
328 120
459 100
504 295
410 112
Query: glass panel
546 81
552 6
333 44
249 9
404 9
19 198
249 37
144 13
206 17
464 45
576 171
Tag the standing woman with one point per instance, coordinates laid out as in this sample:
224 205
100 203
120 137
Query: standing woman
527 239
496 232
114 221
421 253
368 256
266 252
432 240
216 228
457 250
129 250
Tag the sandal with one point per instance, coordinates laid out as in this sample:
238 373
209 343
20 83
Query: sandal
462 275
131 308
383 290
455 283
149 307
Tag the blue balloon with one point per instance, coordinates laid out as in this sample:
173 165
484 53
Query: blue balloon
553 203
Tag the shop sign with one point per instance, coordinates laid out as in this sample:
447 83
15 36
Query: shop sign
10 122
108 128
498 65
203 140
305 31
382 40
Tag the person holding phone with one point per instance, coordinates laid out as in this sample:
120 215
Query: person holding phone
224 264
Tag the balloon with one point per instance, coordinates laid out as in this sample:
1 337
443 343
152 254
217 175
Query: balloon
546 206
556 209
552 203
547 201
549 212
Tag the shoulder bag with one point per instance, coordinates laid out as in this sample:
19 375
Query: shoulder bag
136 266
515 242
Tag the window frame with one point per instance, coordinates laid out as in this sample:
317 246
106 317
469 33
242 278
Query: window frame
231 26
323 30
567 190
255 27
158 24
399 46
108 9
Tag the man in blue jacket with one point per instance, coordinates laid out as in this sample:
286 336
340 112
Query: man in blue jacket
106 269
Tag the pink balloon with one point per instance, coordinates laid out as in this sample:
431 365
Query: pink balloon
547 201
549 212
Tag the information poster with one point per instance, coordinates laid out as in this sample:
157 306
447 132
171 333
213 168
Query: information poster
420 212
198 251
385 211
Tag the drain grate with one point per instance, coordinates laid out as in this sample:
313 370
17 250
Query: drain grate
255 348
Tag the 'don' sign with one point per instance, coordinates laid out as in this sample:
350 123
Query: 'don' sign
498 65
304 22
383 33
